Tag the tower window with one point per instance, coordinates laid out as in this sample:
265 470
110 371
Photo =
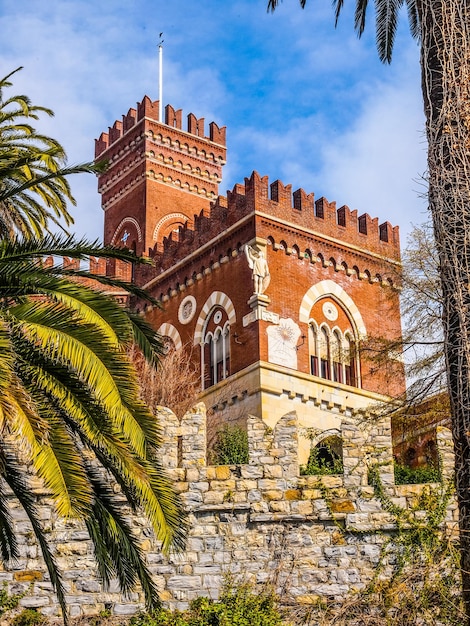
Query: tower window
332 356
216 348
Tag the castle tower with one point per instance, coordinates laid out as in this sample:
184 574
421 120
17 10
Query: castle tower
159 175
272 293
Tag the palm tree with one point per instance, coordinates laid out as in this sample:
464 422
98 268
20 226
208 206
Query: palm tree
69 396
34 190
68 405
443 30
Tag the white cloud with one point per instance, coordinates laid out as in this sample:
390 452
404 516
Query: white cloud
301 101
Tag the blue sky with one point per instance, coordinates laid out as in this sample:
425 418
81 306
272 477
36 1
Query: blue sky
302 101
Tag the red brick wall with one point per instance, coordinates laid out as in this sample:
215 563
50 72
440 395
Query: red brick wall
202 251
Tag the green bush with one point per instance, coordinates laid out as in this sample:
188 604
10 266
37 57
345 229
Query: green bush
319 466
7 601
231 446
28 617
238 606
405 475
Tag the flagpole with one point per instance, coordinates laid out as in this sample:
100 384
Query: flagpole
160 80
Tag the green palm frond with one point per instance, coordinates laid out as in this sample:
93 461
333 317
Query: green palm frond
14 476
359 15
413 19
386 22
8 542
386 14
117 550
34 190
69 395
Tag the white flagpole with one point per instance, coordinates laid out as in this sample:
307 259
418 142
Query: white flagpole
160 80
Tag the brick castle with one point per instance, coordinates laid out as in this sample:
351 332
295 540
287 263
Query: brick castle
274 291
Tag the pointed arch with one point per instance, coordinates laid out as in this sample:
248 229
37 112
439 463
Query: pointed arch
217 298
336 292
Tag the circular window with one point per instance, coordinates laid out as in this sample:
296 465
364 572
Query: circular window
217 316
330 311
187 309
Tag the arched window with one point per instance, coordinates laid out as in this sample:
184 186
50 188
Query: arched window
313 349
324 352
326 457
216 348
332 356
350 377
337 357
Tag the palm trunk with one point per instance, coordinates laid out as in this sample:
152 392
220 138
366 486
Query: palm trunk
445 65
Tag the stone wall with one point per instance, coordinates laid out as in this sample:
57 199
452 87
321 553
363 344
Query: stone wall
309 536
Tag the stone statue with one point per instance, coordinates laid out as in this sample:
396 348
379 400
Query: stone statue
259 268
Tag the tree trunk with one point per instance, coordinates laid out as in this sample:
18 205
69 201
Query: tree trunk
445 66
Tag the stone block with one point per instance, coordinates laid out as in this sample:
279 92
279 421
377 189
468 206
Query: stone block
342 506
185 582
251 472
222 472
28 576
89 586
272 495
213 497
273 471
35 602
126 609
215 568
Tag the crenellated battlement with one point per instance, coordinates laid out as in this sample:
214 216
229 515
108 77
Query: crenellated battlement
278 202
95 266
321 215
148 109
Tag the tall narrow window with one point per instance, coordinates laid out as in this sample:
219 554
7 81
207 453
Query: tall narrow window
324 353
216 348
313 350
350 362
336 357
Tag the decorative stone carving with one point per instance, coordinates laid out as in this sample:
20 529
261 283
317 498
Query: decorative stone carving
330 311
259 268
187 309
282 342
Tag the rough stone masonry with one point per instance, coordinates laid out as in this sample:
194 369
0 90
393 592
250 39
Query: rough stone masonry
261 522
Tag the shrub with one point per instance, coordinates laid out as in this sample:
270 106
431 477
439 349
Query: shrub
231 446
319 463
28 617
238 606
405 475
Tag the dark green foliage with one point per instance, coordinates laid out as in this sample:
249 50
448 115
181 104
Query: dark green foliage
416 577
231 446
9 601
405 475
238 606
28 617
320 463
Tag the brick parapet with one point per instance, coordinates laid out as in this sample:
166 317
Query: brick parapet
173 118
306 229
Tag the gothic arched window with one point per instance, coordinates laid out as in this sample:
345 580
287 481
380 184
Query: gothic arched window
332 355
324 352
216 348
350 366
